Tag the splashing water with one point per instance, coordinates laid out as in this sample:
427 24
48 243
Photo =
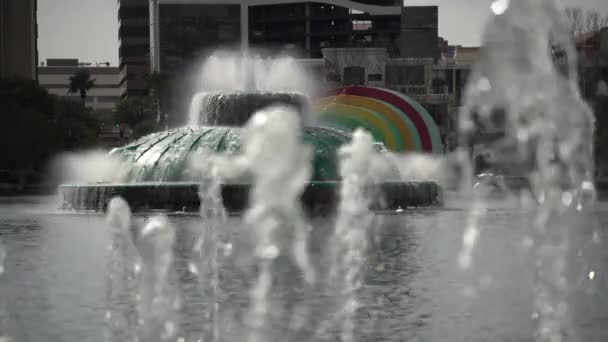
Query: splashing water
225 71
2 257
520 89
158 298
358 169
208 243
233 72
273 137
122 270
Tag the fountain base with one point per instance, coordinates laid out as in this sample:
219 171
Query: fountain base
318 198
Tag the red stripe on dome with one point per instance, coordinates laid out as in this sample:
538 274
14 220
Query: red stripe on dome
379 94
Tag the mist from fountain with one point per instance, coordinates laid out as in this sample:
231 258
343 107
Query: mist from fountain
518 87
228 72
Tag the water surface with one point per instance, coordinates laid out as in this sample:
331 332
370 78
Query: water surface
55 287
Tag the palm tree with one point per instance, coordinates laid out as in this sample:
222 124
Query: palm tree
81 82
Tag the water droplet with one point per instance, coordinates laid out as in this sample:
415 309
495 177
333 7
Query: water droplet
591 275
108 315
597 238
227 249
269 252
484 84
567 198
499 6
137 268
535 316
192 268
169 329
528 242
119 213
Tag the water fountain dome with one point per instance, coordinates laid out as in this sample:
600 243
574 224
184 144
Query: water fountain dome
160 175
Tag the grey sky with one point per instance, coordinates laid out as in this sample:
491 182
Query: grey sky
88 29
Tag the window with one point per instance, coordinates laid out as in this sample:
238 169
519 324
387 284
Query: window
374 77
354 75
362 25
405 74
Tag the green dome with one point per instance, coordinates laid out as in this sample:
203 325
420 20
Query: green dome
164 157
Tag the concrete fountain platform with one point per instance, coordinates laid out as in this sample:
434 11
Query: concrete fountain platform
317 198
163 169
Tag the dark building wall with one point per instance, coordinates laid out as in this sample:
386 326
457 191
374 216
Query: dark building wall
190 32
419 32
18 39
304 29
187 34
381 2
134 50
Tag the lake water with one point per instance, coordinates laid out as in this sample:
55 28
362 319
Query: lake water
56 288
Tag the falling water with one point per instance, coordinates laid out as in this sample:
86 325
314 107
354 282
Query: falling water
158 298
358 169
273 137
3 315
232 72
208 243
122 269
521 89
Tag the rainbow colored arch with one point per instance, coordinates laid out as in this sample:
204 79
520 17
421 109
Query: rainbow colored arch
398 121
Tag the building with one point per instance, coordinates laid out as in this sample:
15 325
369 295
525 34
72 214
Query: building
55 77
184 32
134 50
18 39
592 51
437 85
419 32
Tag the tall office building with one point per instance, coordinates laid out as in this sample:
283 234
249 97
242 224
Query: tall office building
190 29
419 32
18 39
134 51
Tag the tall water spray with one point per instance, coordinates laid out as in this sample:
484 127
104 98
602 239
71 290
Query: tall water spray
521 89
273 137
234 72
123 266
360 167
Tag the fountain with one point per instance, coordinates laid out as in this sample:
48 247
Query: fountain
159 168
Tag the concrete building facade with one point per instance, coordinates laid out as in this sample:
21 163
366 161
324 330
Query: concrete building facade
18 39
55 77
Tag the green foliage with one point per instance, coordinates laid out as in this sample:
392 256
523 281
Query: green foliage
156 84
36 125
145 128
81 82
134 110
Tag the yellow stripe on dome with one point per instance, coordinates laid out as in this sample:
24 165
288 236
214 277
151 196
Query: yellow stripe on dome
391 134
400 120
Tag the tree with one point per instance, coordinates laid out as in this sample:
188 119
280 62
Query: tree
139 113
134 110
38 125
81 82
583 22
